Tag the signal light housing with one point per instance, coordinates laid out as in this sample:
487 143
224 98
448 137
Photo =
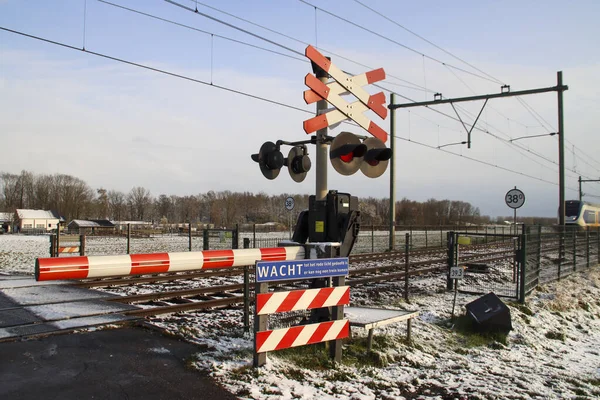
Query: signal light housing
270 160
376 158
298 163
346 153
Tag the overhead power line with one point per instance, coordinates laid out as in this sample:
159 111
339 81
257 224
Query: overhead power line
161 71
428 41
400 44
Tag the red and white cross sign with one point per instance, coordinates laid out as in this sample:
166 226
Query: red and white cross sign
333 91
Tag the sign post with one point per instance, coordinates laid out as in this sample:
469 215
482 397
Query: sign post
456 272
289 205
515 198
308 299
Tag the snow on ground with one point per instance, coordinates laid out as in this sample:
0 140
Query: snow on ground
552 352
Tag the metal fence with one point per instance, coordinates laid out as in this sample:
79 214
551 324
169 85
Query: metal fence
552 256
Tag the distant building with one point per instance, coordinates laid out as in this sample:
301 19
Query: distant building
122 225
37 220
87 226
6 221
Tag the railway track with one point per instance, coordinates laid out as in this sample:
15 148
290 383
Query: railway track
164 302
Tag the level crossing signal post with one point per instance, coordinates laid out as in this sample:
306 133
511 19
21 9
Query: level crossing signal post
330 226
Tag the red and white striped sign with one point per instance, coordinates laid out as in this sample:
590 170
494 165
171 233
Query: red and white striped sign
333 91
68 249
135 264
279 339
270 303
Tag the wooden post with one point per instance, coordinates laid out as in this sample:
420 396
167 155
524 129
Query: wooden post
82 245
260 324
205 245
246 299
337 313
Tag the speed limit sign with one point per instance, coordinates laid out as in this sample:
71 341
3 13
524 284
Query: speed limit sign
289 203
515 198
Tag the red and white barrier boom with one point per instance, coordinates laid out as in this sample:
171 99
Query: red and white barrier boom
136 264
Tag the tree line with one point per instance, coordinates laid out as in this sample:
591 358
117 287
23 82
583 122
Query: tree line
73 198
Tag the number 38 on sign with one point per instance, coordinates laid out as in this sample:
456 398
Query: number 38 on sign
457 273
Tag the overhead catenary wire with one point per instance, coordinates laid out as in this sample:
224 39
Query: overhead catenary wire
426 40
180 76
161 71
398 43
337 55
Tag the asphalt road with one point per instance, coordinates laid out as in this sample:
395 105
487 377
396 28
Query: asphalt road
125 363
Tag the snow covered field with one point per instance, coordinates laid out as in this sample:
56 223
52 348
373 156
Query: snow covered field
552 352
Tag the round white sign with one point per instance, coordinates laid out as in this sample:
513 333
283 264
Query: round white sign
289 203
515 198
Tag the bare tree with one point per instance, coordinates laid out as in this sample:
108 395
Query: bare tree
139 201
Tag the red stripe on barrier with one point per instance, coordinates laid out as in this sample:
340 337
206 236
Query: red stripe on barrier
261 338
344 332
149 263
273 254
320 298
320 332
376 75
290 300
218 258
61 268
288 339
261 300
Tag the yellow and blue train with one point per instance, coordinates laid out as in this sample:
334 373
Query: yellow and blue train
582 214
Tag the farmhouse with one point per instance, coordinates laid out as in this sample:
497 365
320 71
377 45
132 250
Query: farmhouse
38 220
6 220
85 226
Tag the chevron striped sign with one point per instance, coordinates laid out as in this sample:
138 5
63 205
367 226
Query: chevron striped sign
344 84
271 303
285 338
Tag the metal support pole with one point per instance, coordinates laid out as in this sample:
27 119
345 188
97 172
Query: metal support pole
372 238
561 153
392 241
235 237
190 236
52 245
580 195
539 256
337 313
321 145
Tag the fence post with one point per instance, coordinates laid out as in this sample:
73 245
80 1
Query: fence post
587 246
205 244
598 244
410 236
56 254
82 245
406 263
426 237
128 238
260 324
254 235
246 291
539 255
52 245
561 243
441 237
574 250
235 237
373 238
450 242
523 264
190 236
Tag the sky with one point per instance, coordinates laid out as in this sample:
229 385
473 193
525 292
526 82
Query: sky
117 126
